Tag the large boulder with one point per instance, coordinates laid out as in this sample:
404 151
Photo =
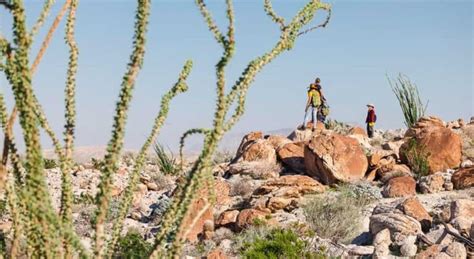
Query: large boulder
333 158
246 141
292 155
463 178
402 186
259 150
278 141
442 146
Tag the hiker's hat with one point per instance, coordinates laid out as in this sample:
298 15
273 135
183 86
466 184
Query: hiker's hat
371 105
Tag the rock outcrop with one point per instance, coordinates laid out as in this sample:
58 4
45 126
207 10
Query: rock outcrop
334 158
441 145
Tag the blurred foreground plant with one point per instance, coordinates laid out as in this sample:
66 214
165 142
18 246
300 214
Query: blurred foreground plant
51 234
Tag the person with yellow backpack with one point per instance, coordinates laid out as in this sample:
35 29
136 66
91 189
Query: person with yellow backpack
370 120
314 103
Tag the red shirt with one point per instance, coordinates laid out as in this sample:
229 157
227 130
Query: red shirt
370 116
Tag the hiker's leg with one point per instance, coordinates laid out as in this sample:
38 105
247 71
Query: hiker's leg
305 121
370 131
314 112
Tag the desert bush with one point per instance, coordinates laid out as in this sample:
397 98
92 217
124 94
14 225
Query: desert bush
222 156
29 199
132 246
337 126
408 98
97 164
336 218
242 187
417 157
162 181
165 160
84 198
49 163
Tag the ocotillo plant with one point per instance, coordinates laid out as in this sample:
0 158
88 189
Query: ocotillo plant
50 234
408 98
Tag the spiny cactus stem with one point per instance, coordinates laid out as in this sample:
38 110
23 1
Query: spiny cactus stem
185 135
273 15
179 87
42 17
115 144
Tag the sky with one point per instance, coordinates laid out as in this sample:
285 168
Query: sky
429 41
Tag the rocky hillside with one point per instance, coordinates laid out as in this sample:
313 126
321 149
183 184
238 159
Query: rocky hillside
313 194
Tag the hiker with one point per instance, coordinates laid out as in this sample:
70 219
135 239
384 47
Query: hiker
315 100
370 120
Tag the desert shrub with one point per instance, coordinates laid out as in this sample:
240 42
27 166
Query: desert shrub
336 218
222 156
337 126
408 98
165 160
278 243
50 163
132 245
162 181
363 192
97 164
242 187
417 158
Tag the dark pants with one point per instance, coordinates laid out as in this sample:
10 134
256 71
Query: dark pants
370 131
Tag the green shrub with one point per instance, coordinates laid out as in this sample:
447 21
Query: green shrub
50 163
132 245
409 99
417 158
165 160
84 198
278 243
336 218
97 164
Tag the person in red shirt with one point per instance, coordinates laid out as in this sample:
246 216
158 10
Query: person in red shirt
370 120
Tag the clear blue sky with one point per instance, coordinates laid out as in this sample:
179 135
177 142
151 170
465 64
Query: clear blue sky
430 41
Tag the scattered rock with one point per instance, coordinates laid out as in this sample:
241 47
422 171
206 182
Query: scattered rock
357 131
400 187
396 223
408 247
227 217
277 141
463 178
247 218
216 254
246 141
432 183
462 214
255 169
456 250
152 186
413 208
442 144
291 186
431 252
440 236
292 155
332 158
381 243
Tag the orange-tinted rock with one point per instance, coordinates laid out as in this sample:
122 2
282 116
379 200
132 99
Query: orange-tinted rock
357 131
402 186
333 158
291 186
463 178
442 146
216 254
375 158
278 203
292 155
199 209
413 208
247 217
277 141
432 183
260 150
430 253
247 140
227 217
222 191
